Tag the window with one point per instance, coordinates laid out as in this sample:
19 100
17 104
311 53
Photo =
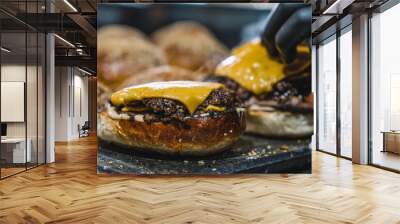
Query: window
385 89
345 92
326 60
22 75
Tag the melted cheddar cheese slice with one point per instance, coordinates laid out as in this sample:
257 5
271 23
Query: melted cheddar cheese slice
189 93
251 66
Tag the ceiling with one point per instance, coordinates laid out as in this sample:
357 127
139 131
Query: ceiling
332 15
72 20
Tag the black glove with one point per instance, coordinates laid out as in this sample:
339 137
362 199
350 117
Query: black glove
287 26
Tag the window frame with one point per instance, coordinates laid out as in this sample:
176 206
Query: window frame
333 37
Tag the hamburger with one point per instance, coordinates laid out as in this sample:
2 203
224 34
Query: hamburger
189 45
278 96
174 118
122 52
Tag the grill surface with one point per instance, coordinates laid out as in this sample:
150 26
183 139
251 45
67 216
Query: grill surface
251 154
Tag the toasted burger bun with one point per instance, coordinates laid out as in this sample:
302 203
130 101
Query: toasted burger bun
188 44
277 123
198 136
162 73
121 56
118 32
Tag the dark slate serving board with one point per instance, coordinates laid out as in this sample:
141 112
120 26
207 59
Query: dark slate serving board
251 154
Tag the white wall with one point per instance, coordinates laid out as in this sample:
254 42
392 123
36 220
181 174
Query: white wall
61 103
80 110
71 93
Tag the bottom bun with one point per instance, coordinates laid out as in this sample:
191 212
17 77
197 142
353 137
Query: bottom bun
281 124
196 136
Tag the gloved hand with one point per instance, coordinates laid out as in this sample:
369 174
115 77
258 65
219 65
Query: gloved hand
287 26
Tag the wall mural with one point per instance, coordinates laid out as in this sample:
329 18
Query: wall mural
204 88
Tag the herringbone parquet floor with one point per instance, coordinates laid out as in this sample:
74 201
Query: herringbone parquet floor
70 191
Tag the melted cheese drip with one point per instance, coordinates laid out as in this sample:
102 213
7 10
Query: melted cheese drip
252 67
214 108
191 94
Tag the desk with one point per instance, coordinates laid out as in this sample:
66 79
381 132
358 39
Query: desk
13 150
391 141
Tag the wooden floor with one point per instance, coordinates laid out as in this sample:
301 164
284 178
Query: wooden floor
10 171
70 191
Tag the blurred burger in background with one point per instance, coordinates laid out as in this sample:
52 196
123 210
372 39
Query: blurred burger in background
122 52
189 45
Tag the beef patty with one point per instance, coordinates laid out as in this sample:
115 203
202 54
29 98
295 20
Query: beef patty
286 94
166 110
241 94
